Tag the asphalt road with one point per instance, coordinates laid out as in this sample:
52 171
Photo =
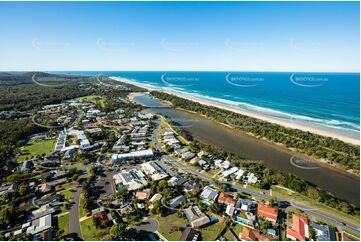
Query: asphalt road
308 210
74 224
148 225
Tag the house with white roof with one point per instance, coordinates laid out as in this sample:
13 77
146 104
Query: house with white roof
153 170
229 172
209 193
132 180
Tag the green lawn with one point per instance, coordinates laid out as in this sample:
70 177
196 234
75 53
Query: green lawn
36 148
168 226
212 172
90 232
210 233
228 236
63 223
94 99
238 229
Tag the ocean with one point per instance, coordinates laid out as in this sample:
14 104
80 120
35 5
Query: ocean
329 101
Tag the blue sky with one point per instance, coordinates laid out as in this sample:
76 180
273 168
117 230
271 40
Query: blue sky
239 36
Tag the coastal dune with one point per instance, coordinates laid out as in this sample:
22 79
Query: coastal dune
288 124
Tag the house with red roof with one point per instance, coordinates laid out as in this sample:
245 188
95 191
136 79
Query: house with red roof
226 199
101 215
267 212
299 229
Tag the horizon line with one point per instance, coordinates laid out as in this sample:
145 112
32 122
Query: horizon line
290 71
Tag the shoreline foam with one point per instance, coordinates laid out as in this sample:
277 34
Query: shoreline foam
286 124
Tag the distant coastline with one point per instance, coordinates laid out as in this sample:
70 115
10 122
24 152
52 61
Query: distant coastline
260 116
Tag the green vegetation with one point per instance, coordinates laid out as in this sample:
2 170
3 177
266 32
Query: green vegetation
63 224
334 150
171 226
13 134
210 233
90 232
82 210
95 99
280 193
237 229
19 92
36 149
228 235
68 195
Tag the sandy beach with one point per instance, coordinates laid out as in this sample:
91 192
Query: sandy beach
288 124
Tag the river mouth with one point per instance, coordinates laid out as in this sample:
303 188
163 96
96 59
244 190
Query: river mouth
341 185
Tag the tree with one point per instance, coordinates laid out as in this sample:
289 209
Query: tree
118 231
7 214
216 208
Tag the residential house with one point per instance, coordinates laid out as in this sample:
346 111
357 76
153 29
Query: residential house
26 165
245 205
143 195
225 198
40 225
229 172
45 188
177 201
323 232
230 210
299 229
250 178
194 161
100 214
188 155
209 194
177 180
179 152
154 170
156 197
249 234
267 212
189 234
202 153
190 186
196 217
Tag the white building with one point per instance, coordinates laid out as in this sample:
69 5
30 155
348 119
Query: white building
142 154
153 170
132 180
229 172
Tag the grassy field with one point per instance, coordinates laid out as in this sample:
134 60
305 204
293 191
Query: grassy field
238 229
90 232
167 226
210 233
36 148
63 223
94 99
228 236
